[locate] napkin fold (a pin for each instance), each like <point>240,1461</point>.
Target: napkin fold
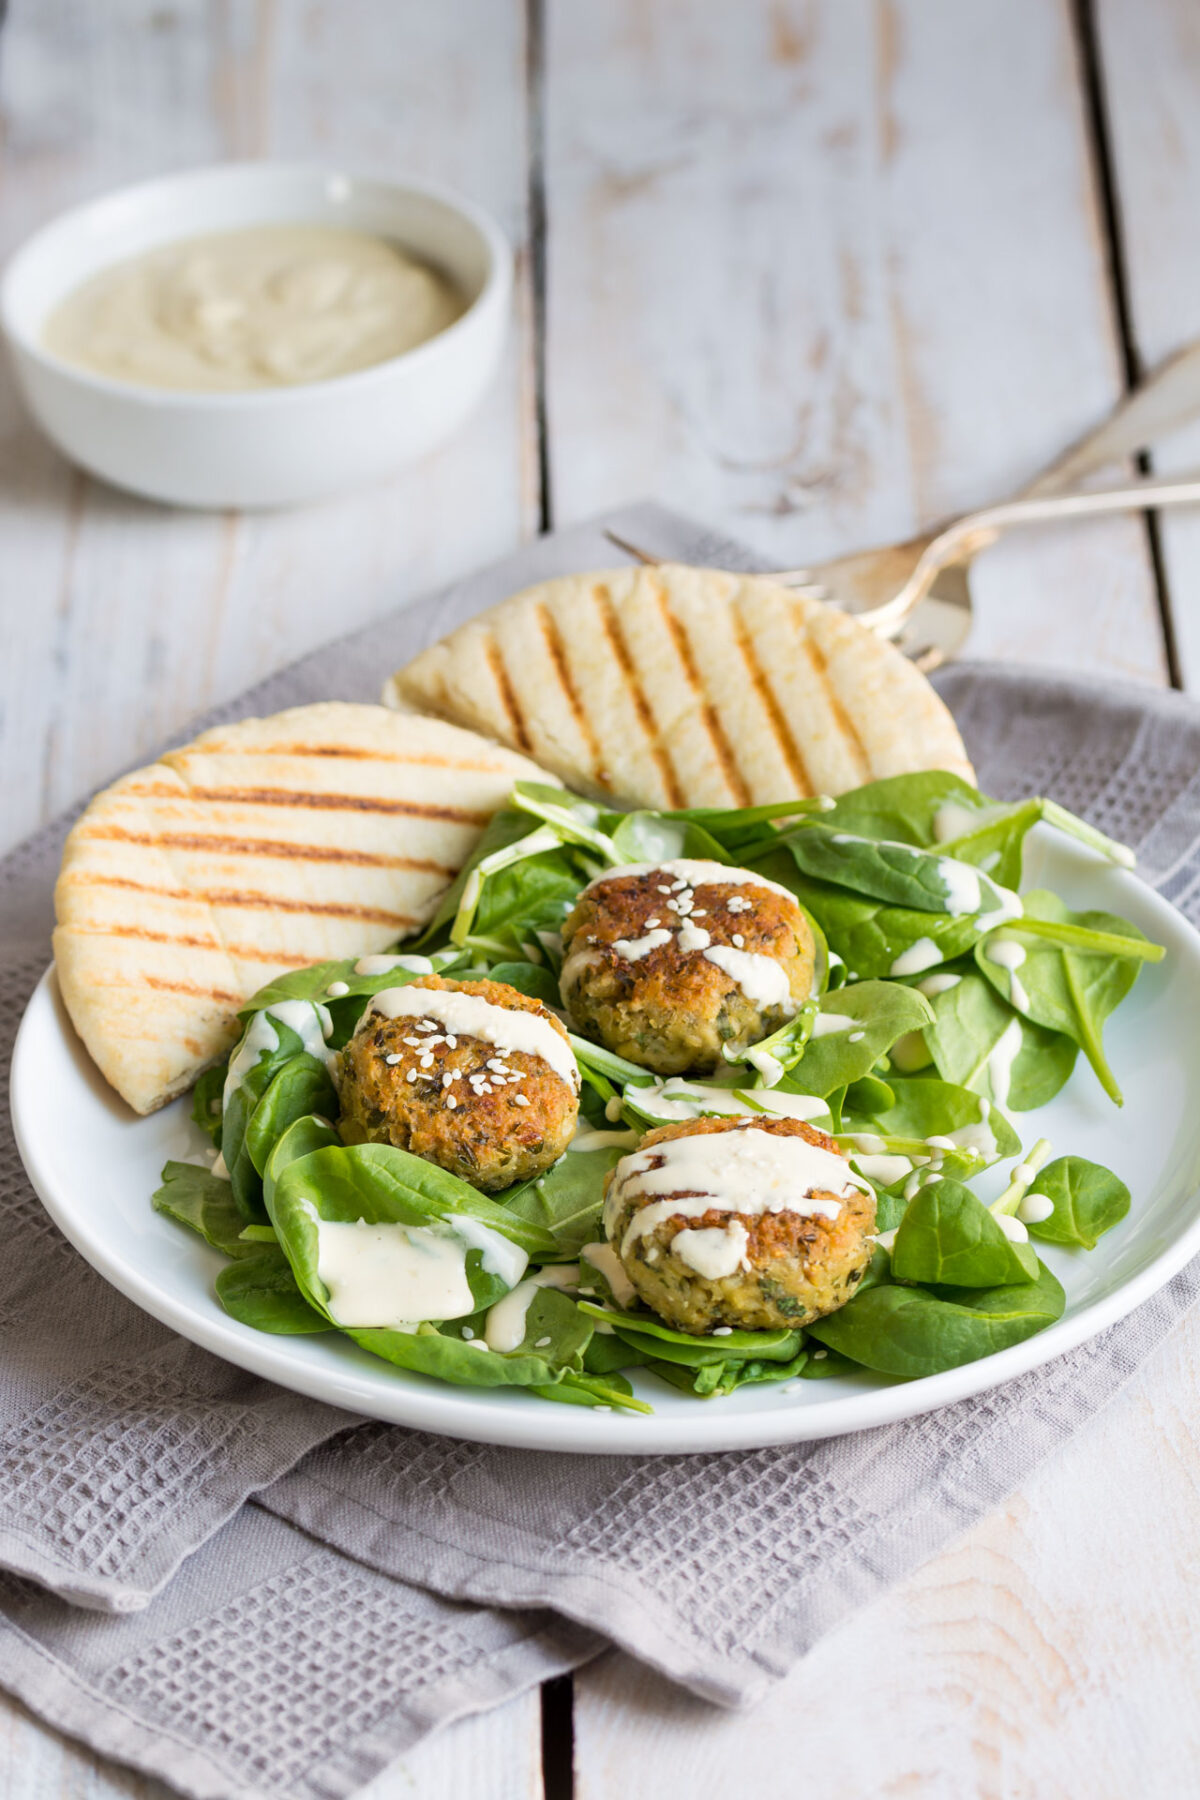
<point>253,1595</point>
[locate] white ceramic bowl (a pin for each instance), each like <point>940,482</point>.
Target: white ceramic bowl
<point>284,445</point>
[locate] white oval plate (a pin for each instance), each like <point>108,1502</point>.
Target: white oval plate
<point>95,1165</point>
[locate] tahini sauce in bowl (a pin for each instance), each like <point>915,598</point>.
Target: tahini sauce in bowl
<point>272,306</point>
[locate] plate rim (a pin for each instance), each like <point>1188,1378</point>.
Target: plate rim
<point>453,1412</point>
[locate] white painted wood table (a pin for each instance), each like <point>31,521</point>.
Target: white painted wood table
<point>818,273</point>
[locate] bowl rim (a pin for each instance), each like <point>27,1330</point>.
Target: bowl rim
<point>493,294</point>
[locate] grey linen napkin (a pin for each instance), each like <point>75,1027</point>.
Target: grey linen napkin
<point>250,1594</point>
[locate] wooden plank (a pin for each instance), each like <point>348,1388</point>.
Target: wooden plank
<point>1051,1654</point>
<point>814,277</point>
<point>1150,63</point>
<point>492,1753</point>
<point>123,619</point>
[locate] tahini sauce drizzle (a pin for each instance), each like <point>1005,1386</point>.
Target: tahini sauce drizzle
<point>470,1015</point>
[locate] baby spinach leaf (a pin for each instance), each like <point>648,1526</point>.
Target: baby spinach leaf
<point>902,874</point>
<point>607,1352</point>
<point>970,1023</point>
<point>603,1393</point>
<point>647,837</point>
<point>568,1199</point>
<point>1088,1201</point>
<point>715,1380</point>
<point>303,1086</point>
<point>518,901</point>
<point>300,1139</point>
<point>652,1336</point>
<point>262,1291</point>
<point>948,1236</point>
<point>379,1183</point>
<point>824,1365</point>
<point>912,1331</point>
<point>314,982</point>
<point>877,1013</point>
<point>206,1101</point>
<point>872,937</point>
<point>1069,990</point>
<point>996,840</point>
<point>904,806</point>
<point>534,979</point>
<point>927,1108</point>
<point>504,829</point>
<point>204,1203</point>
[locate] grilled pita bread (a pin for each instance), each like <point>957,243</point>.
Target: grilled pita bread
<point>673,686</point>
<point>327,831</point>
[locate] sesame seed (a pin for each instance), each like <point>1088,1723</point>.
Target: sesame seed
<point>393,1059</point>
<point>520,1100</point>
<point>451,1102</point>
<point>738,940</point>
<point>411,1076</point>
<point>468,1333</point>
<point>494,1062</point>
<point>413,1043</point>
<point>478,1344</point>
<point>446,1080</point>
<point>664,890</point>
<point>698,912</point>
<point>336,989</point>
<point>818,1354</point>
<point>542,1342</point>
<point>652,923</point>
<point>602,1409</point>
<point>452,1043</point>
<point>427,1062</point>
<point>722,1330</point>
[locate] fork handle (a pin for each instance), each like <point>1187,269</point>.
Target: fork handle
<point>1167,399</point>
<point>968,535</point>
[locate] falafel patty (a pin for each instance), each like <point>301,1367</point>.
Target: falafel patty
<point>472,1075</point>
<point>666,963</point>
<point>752,1223</point>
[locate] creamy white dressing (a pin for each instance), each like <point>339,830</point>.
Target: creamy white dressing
<point>1035,1209</point>
<point>634,949</point>
<point>918,957</point>
<point>266,307</point>
<point>1012,1228</point>
<point>746,1171</point>
<point>383,965</point>
<point>768,1066</point>
<point>307,1018</point>
<point>763,980</point>
<point>392,1276</point>
<point>1006,953</point>
<point>952,819</point>
<point>499,1256</point>
<point>504,1329</point>
<point>693,937</point>
<point>825,1024</point>
<point>604,1259</point>
<point>714,1251</point>
<point>962,886</point>
<point>587,1139</point>
<point>1010,908</point>
<point>1000,1061</point>
<point>678,1098</point>
<point>933,985</point>
<point>470,1015</point>
<point>693,871</point>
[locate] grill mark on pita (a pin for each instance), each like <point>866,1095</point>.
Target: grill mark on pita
<point>845,723</point>
<point>557,655</point>
<point>264,902</point>
<point>722,749</point>
<point>508,698</point>
<point>247,796</point>
<point>330,853</point>
<point>245,952</point>
<point>611,626</point>
<point>789,748</point>
<point>181,987</point>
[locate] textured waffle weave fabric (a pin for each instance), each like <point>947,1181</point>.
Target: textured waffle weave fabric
<point>250,1594</point>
